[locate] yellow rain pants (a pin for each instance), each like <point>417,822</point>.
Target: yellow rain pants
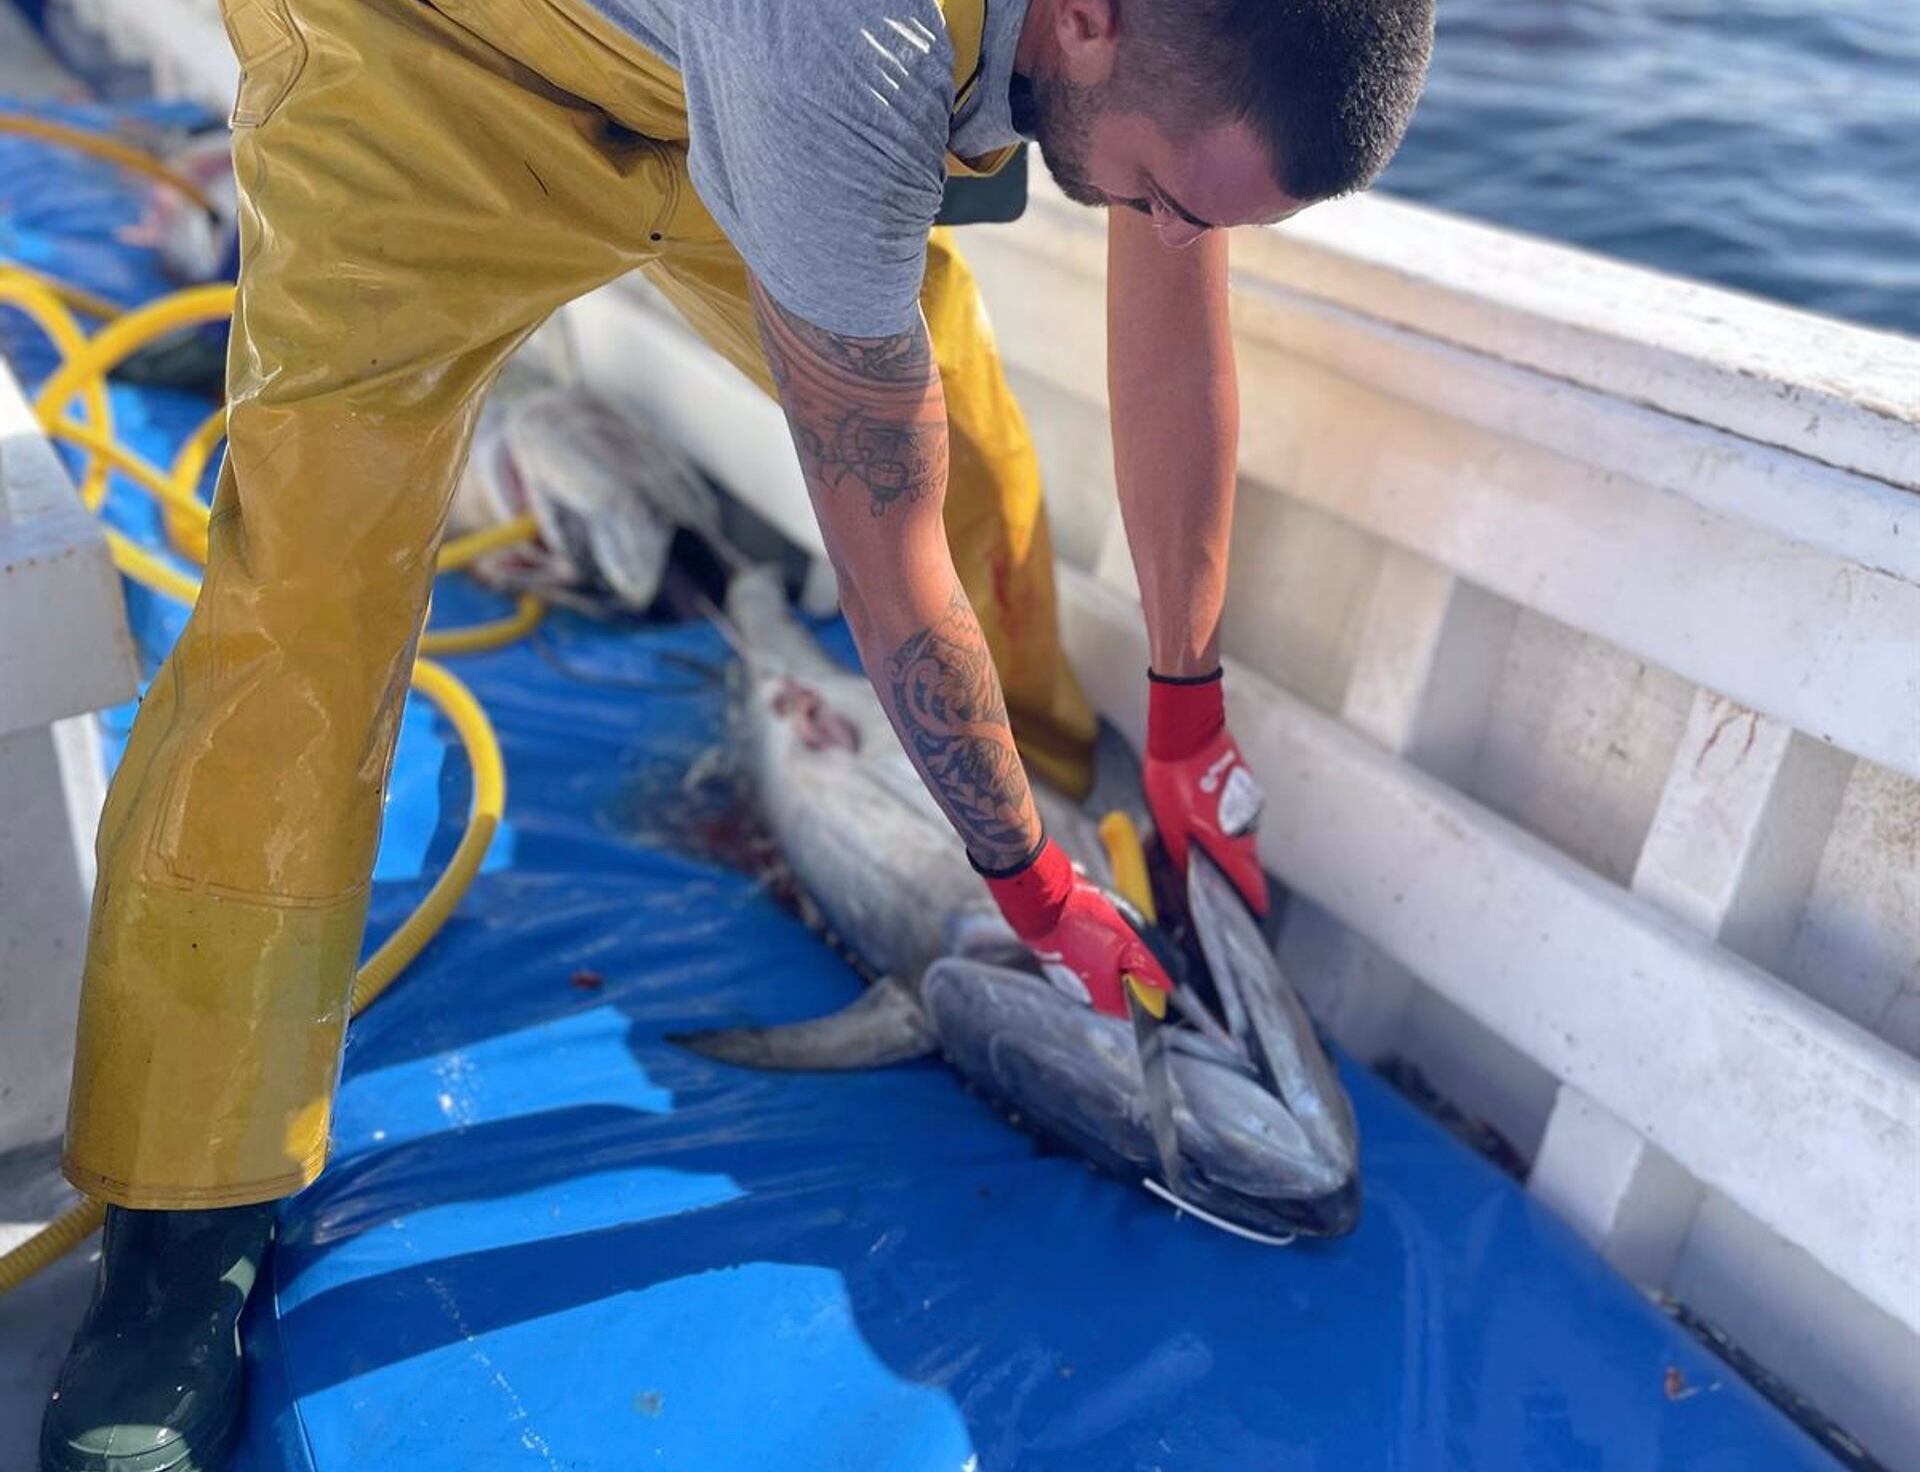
<point>421,184</point>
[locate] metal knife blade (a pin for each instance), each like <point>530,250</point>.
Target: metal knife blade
<point>1156,1079</point>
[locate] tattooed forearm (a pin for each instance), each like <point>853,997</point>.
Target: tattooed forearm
<point>949,710</point>
<point>866,412</point>
<point>870,424</point>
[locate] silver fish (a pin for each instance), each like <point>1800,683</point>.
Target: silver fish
<point>1266,1135</point>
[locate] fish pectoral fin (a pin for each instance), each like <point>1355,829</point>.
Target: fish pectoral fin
<point>884,1025</point>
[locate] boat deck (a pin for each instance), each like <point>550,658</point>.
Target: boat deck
<point>547,1228</point>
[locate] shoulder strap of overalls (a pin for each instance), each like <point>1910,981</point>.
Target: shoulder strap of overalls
<point>966,31</point>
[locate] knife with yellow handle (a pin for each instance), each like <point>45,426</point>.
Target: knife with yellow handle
<point>1146,1004</point>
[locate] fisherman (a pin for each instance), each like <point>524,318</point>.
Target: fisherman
<point>421,183</point>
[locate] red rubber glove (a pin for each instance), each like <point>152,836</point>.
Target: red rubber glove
<point>1081,941</point>
<point>1198,785</point>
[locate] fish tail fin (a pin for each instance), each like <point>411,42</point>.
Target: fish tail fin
<point>884,1025</point>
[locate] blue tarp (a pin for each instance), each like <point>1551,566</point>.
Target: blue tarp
<point>549,1239</point>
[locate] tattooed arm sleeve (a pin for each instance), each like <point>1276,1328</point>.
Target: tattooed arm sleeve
<point>870,424</point>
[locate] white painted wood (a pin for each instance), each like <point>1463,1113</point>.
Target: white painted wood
<point>1406,620</point>
<point>65,649</point>
<point>1857,942</point>
<point>1578,738</point>
<point>1789,583</point>
<point>1827,390</point>
<point>1837,510</point>
<point>1733,846</point>
<point>1353,988</point>
<point>1430,663</point>
<point>1748,806</point>
<point>1753,1089</point>
<point>1070,437</point>
<point>1814,639</point>
<point>1429,656</point>
<point>1619,1190</point>
<point>52,792</point>
<point>1299,583</point>
<point>1430,651</point>
<point>1553,388</point>
<point>1478,1071</point>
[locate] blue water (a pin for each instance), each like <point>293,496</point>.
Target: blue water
<point>1768,145</point>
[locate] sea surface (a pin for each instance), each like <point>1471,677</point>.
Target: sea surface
<point>1768,145</point>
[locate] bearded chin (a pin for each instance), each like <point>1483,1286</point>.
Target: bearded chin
<point>1062,124</point>
<point>1072,182</point>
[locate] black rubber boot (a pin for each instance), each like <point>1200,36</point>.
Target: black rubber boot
<point>152,1382</point>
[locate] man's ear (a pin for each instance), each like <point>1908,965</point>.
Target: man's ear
<point>1087,33</point>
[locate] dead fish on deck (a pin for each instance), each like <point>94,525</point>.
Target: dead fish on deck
<point>1266,1134</point>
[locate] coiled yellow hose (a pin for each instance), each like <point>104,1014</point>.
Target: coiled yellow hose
<point>78,297</point>
<point>19,288</point>
<point>82,375</point>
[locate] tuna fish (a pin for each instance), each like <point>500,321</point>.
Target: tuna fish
<point>1266,1134</point>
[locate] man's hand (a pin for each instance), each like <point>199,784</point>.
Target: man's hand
<point>1198,785</point>
<point>1082,942</point>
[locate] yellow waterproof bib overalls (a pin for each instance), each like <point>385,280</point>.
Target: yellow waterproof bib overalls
<point>421,184</point>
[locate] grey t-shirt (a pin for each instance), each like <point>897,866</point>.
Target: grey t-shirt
<point>819,131</point>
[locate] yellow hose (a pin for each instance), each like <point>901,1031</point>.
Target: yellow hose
<point>141,471</point>
<point>23,291</point>
<point>126,335</point>
<point>92,358</point>
<point>186,530</point>
<point>476,638</point>
<point>77,297</point>
<point>82,374</point>
<point>475,545</point>
<point>489,801</point>
<point>51,1243</point>
<point>99,145</point>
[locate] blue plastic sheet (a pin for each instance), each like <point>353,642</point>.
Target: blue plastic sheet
<point>549,1239</point>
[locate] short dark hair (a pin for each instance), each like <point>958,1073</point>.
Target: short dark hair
<point>1330,85</point>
